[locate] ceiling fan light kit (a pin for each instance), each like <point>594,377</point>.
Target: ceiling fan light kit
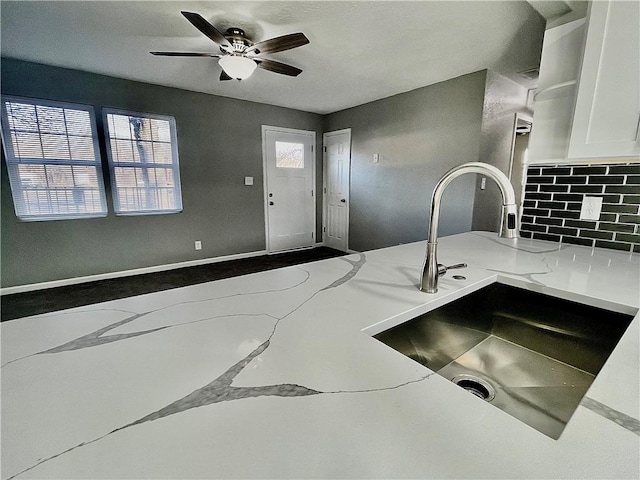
<point>239,56</point>
<point>237,67</point>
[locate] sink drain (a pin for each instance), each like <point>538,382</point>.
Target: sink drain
<point>476,386</point>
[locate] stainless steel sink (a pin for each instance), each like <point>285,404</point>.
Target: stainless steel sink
<point>532,355</point>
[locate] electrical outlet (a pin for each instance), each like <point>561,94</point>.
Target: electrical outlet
<point>591,207</point>
<point>376,157</point>
<point>198,245</point>
<point>248,180</point>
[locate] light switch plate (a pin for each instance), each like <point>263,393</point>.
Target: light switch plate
<point>248,180</point>
<point>591,208</point>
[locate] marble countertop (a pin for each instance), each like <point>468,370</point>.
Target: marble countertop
<point>276,375</point>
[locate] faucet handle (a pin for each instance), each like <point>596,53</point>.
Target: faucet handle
<point>442,269</point>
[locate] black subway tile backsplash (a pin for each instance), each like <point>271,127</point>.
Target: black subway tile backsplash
<point>627,189</point>
<point>587,242</point>
<point>540,196</point>
<point>625,237</point>
<point>589,225</point>
<point>606,179</point>
<point>542,179</point>
<point>547,237</point>
<point>566,214</point>
<point>625,169</point>
<point>629,218</point>
<point>614,245</point>
<point>571,232</point>
<point>549,221</point>
<point>616,227</point>
<point>608,217</point>
<point>610,198</point>
<point>532,227</point>
<point>587,189</point>
<point>537,212</point>
<point>554,188</point>
<point>597,234</point>
<point>550,171</point>
<point>553,201</point>
<point>572,180</point>
<point>612,208</point>
<point>591,170</point>
<point>568,197</point>
<point>554,205</point>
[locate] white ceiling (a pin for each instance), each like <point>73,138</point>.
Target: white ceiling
<point>359,51</point>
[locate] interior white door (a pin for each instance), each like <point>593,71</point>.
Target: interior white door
<point>289,168</point>
<point>337,161</point>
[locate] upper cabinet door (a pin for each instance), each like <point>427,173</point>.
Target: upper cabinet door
<point>556,95</point>
<point>607,113</point>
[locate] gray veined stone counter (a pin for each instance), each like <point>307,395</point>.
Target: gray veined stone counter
<point>276,375</point>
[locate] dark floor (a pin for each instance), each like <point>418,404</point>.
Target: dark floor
<point>19,305</point>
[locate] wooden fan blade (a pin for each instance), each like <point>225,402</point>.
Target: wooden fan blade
<point>224,76</point>
<point>184,54</point>
<point>277,67</point>
<point>205,27</point>
<point>279,44</point>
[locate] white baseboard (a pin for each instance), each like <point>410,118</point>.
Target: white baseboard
<point>125,273</point>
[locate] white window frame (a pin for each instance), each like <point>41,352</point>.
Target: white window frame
<point>174,165</point>
<point>14,161</point>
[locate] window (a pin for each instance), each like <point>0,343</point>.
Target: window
<point>289,155</point>
<point>143,161</point>
<point>53,159</point>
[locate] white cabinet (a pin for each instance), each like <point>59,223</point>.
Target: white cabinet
<point>556,95</point>
<point>607,111</point>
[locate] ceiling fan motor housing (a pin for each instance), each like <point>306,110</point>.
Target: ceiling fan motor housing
<point>239,42</point>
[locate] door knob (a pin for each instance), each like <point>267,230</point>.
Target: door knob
<point>343,201</point>
<point>270,203</point>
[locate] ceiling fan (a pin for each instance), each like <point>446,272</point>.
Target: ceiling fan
<point>239,56</point>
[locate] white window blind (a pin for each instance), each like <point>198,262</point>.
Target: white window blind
<point>143,160</point>
<point>53,159</point>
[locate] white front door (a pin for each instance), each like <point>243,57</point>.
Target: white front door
<point>337,161</point>
<point>289,168</point>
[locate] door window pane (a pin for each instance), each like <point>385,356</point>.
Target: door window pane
<point>289,155</point>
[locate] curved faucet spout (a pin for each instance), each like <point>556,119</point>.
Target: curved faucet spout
<point>508,225</point>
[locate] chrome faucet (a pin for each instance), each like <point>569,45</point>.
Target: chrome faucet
<point>508,226</point>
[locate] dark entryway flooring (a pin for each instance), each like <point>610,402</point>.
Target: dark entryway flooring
<point>19,305</point>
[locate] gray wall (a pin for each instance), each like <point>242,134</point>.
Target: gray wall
<point>503,98</point>
<point>219,143</point>
<point>419,135</point>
